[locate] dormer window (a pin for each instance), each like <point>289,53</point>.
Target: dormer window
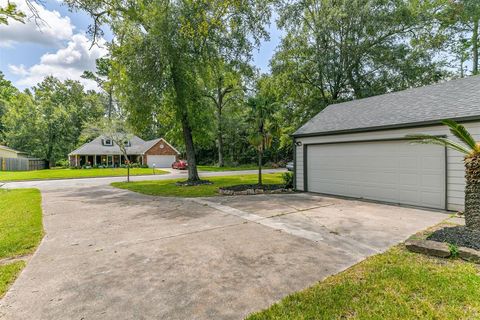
<point>107,142</point>
<point>126,143</point>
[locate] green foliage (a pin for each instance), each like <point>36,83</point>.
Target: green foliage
<point>453,250</point>
<point>10,11</point>
<point>167,50</point>
<point>462,134</point>
<point>288,179</point>
<point>467,144</point>
<point>47,124</point>
<point>334,51</point>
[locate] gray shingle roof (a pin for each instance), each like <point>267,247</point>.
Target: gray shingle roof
<point>95,147</point>
<point>456,99</point>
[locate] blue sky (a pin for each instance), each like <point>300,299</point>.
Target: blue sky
<point>59,46</point>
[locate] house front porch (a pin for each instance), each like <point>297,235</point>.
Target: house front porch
<point>109,161</point>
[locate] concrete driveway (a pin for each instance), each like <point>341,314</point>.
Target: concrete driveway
<point>115,254</point>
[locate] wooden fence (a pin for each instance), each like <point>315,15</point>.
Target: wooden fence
<point>21,164</point>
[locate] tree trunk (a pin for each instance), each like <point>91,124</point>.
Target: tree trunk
<point>182,109</point>
<point>475,46</point>
<point>472,192</point>
<point>192,161</point>
<point>110,103</point>
<point>260,167</point>
<point>220,137</point>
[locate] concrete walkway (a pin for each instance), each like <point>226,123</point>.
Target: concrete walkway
<point>114,254</point>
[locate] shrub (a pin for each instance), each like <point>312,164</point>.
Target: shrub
<point>62,163</point>
<point>288,179</point>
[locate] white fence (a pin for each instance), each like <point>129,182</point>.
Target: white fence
<point>21,164</point>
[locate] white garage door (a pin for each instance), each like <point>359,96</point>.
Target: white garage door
<point>160,161</point>
<point>391,171</point>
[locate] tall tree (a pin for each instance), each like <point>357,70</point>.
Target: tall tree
<point>338,50</point>
<point>164,47</point>
<point>463,19</point>
<point>224,86</point>
<point>48,123</point>
<point>7,92</point>
<point>102,77</point>
<point>264,126</point>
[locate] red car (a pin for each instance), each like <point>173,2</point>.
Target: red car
<point>180,165</point>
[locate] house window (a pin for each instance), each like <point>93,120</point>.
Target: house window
<point>107,142</point>
<point>127,143</point>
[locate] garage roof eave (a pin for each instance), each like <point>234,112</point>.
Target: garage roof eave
<point>385,127</point>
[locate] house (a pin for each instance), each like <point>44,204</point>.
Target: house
<point>6,152</point>
<point>103,151</point>
<point>358,148</point>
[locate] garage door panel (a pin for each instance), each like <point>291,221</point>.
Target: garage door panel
<point>160,161</point>
<point>392,171</point>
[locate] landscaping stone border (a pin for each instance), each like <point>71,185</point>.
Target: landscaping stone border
<point>252,191</point>
<point>442,250</point>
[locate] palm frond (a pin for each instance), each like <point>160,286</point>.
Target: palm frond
<point>429,139</point>
<point>461,133</point>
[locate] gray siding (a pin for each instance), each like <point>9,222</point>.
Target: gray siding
<point>455,169</point>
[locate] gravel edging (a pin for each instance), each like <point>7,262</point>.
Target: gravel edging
<point>458,235</point>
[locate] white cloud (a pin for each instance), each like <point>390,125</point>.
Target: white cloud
<point>66,63</point>
<point>51,30</point>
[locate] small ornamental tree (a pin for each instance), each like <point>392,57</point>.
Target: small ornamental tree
<point>471,149</point>
<point>120,133</point>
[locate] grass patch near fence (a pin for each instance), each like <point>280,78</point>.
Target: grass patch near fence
<point>170,189</point>
<point>395,285</point>
<point>51,174</point>
<point>21,229</point>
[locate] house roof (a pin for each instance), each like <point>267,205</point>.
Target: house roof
<point>137,146</point>
<point>456,99</point>
<point>12,150</point>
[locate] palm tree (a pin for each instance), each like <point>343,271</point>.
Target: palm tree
<point>263,129</point>
<point>471,149</point>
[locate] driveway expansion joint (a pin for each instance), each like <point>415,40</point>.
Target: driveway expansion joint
<point>353,247</point>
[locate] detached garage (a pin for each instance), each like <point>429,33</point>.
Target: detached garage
<point>358,148</point>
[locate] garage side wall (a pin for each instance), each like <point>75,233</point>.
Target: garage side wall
<point>455,168</point>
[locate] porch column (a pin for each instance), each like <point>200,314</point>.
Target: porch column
<point>94,159</point>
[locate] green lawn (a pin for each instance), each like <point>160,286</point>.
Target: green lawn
<point>230,168</point>
<point>20,229</point>
<point>74,173</point>
<point>395,285</point>
<point>169,189</point>
<point>8,274</point>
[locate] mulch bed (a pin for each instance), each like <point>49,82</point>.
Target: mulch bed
<point>459,236</point>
